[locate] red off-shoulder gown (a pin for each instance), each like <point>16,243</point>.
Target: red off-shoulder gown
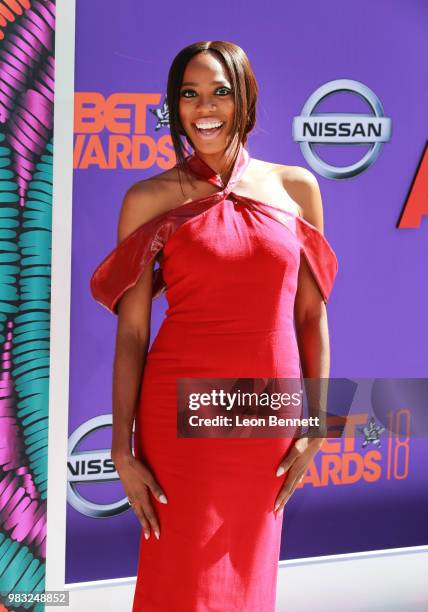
<point>229,268</point>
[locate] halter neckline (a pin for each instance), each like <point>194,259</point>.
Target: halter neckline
<point>202,170</point>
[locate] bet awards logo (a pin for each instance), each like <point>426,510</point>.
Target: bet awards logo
<point>91,467</point>
<point>118,131</point>
<point>340,462</point>
<point>311,128</point>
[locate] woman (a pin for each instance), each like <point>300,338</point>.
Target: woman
<point>247,274</point>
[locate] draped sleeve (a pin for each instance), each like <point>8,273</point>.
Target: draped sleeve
<point>124,265</point>
<point>320,256</point>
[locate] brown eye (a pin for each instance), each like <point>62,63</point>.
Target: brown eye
<point>224,91</point>
<point>187,93</point>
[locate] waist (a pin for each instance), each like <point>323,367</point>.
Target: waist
<point>225,327</point>
<point>196,350</point>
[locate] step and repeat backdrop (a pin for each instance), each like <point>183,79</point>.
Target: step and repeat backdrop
<point>342,96</point>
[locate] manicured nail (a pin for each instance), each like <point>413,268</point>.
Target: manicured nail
<point>146,535</point>
<point>163,499</point>
<point>277,505</point>
<point>280,471</point>
<point>157,534</point>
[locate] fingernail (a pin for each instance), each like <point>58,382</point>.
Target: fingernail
<point>146,535</point>
<point>277,505</point>
<point>163,499</point>
<point>157,534</point>
<point>280,471</point>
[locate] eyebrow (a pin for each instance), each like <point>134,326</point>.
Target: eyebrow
<point>189,83</point>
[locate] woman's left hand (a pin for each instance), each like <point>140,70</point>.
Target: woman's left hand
<point>295,462</point>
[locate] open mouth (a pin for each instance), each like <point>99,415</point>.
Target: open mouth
<point>208,130</point>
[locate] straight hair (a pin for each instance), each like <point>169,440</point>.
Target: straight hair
<point>244,90</point>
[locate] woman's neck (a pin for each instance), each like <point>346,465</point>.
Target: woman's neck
<point>216,162</point>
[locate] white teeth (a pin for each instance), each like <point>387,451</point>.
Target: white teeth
<point>209,126</point>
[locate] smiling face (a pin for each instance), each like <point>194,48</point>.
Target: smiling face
<point>206,104</point>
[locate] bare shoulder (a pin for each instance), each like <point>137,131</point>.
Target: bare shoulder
<point>262,169</point>
<point>302,186</point>
<point>145,200</point>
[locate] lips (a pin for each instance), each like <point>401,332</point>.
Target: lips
<point>208,129</point>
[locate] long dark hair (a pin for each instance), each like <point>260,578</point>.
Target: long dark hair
<point>244,86</point>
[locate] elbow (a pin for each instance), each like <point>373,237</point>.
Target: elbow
<point>139,334</point>
<point>313,314</point>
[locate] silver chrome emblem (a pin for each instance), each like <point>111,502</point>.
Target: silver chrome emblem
<point>310,128</point>
<point>91,466</point>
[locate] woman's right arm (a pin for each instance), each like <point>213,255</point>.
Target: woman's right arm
<point>140,205</point>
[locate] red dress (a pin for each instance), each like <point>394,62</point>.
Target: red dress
<point>229,267</point>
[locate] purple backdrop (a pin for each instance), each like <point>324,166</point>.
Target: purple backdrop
<point>377,312</point>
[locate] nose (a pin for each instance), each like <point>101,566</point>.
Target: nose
<point>206,102</point>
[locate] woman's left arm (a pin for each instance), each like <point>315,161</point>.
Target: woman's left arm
<point>310,316</point>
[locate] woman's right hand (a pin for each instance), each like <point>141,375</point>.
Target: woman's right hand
<point>137,480</point>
